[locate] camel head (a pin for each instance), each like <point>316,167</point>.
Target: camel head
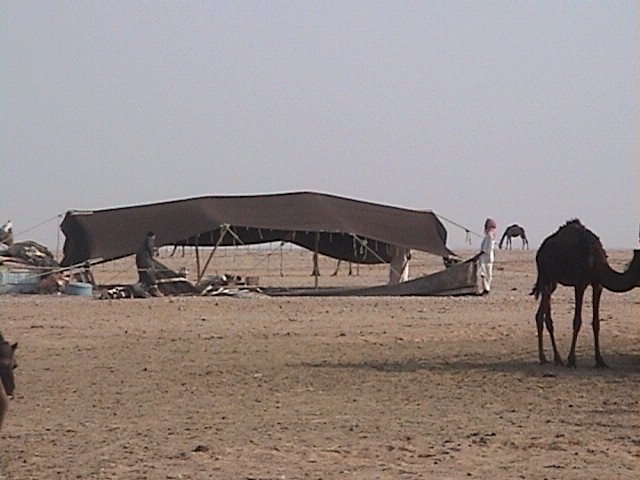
<point>7,365</point>
<point>623,282</point>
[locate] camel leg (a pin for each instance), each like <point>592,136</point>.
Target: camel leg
<point>597,292</point>
<point>577,323</point>
<point>540,326</point>
<point>543,318</point>
<point>335,272</point>
<point>557,358</point>
<point>4,404</point>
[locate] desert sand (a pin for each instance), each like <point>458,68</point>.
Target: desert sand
<point>257,387</point>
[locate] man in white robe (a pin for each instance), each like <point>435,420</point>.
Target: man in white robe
<point>487,254</point>
<point>399,267</point>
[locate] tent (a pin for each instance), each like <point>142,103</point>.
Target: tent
<point>338,227</point>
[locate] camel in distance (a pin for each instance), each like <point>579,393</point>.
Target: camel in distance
<point>513,231</point>
<point>574,256</point>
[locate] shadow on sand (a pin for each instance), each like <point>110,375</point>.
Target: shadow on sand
<point>620,365</point>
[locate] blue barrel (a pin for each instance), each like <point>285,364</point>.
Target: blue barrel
<point>79,288</point>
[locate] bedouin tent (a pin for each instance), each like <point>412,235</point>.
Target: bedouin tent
<point>338,227</point>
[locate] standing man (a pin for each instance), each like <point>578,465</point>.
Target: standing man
<point>399,265</point>
<point>146,268</point>
<point>487,254</point>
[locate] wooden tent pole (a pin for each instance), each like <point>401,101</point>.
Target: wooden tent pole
<point>316,268</point>
<point>197,258</point>
<point>281,258</point>
<point>223,232</point>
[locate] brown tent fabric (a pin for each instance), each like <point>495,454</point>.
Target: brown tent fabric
<point>459,279</point>
<point>334,226</point>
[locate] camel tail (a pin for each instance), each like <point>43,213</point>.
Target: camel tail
<point>536,290</point>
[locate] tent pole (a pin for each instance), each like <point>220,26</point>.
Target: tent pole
<point>290,236</point>
<point>281,258</point>
<point>58,231</point>
<point>197,258</point>
<point>366,247</point>
<point>316,269</point>
<point>223,232</point>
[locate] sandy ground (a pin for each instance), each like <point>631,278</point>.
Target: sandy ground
<point>326,388</point>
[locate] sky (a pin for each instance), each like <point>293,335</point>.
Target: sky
<point>527,112</point>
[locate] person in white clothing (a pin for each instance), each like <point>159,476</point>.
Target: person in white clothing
<point>399,266</point>
<point>487,254</point>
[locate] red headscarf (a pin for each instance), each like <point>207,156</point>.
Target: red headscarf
<point>490,226</point>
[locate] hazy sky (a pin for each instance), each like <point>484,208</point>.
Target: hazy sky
<point>526,111</point>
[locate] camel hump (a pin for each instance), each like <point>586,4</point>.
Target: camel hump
<point>572,244</point>
<point>575,230</point>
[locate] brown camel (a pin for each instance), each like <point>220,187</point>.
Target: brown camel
<point>7,383</point>
<point>574,257</point>
<point>512,231</point>
<point>316,270</point>
<point>335,272</point>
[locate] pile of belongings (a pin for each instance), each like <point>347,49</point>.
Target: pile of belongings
<point>29,253</point>
<point>169,283</point>
<point>225,284</point>
<point>39,261</point>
